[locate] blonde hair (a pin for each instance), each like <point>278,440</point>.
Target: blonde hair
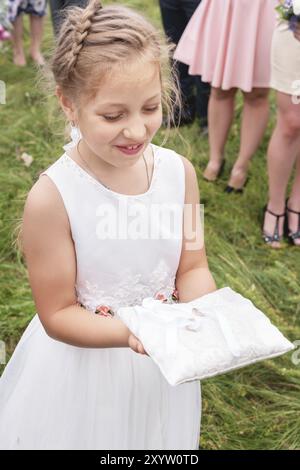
<point>94,40</point>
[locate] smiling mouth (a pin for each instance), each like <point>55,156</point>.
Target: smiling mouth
<point>130,147</point>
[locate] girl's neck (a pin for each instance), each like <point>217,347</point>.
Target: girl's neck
<point>116,178</point>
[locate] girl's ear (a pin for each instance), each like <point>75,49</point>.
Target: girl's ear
<point>66,104</point>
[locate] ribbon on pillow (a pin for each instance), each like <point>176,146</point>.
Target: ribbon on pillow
<point>194,323</point>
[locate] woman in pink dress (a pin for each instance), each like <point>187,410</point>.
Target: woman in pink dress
<point>228,43</point>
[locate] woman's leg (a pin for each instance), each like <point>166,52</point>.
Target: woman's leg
<point>220,117</point>
<point>36,36</point>
<point>294,201</point>
<point>254,123</point>
<point>17,41</point>
<point>284,147</point>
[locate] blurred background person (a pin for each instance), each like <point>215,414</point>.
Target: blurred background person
<point>36,9</point>
<point>228,43</point>
<point>175,17</point>
<point>284,147</point>
<point>57,6</point>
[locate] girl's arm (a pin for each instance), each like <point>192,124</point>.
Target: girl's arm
<point>51,262</point>
<point>193,278</point>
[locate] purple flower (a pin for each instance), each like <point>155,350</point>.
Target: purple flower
<point>294,20</point>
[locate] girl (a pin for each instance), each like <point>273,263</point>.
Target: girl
<point>228,42</point>
<point>79,380</point>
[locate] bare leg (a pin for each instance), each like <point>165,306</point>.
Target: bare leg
<point>17,40</point>
<point>254,123</point>
<point>220,117</point>
<point>282,153</point>
<point>294,202</point>
<point>36,36</point>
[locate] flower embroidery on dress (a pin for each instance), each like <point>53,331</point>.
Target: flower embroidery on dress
<point>129,290</point>
<point>173,298</point>
<point>107,311</point>
<point>104,310</point>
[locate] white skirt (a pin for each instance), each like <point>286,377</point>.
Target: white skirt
<point>285,59</point>
<point>57,396</point>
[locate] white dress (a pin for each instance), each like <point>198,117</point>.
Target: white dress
<point>57,396</point>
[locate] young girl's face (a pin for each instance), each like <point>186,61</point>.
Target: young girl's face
<point>126,111</point>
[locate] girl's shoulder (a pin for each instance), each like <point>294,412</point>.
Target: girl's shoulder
<point>189,169</point>
<point>44,191</point>
<point>191,186</point>
<point>191,180</point>
<point>187,164</point>
<point>44,205</point>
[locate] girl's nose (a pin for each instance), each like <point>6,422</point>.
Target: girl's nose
<point>136,131</point>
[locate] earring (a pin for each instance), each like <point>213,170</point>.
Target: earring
<point>75,132</point>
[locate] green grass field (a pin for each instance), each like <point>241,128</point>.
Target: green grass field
<point>257,407</point>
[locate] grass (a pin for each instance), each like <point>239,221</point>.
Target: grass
<point>257,407</point>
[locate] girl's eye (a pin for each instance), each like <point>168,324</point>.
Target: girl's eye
<point>153,108</point>
<point>114,118</point>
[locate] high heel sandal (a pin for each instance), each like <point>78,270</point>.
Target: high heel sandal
<point>268,239</point>
<point>292,236</point>
<point>231,189</point>
<point>218,174</point>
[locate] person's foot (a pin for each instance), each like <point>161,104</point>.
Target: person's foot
<point>273,227</point>
<point>37,57</point>
<point>213,170</point>
<point>203,126</point>
<point>204,131</point>
<point>19,58</point>
<point>237,180</point>
<point>293,220</point>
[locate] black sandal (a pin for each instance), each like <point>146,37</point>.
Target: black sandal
<point>275,237</point>
<point>290,235</point>
<point>231,189</point>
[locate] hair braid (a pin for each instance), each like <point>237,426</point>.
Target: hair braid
<point>81,30</point>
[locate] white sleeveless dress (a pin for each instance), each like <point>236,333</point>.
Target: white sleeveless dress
<point>57,396</point>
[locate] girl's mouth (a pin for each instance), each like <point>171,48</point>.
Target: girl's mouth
<point>130,149</point>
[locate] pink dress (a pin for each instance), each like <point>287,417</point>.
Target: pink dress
<point>228,43</point>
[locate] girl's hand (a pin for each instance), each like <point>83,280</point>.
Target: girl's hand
<point>135,344</point>
<point>297,32</point>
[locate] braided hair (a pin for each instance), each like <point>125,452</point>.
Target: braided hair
<point>94,39</point>
<point>81,30</point>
